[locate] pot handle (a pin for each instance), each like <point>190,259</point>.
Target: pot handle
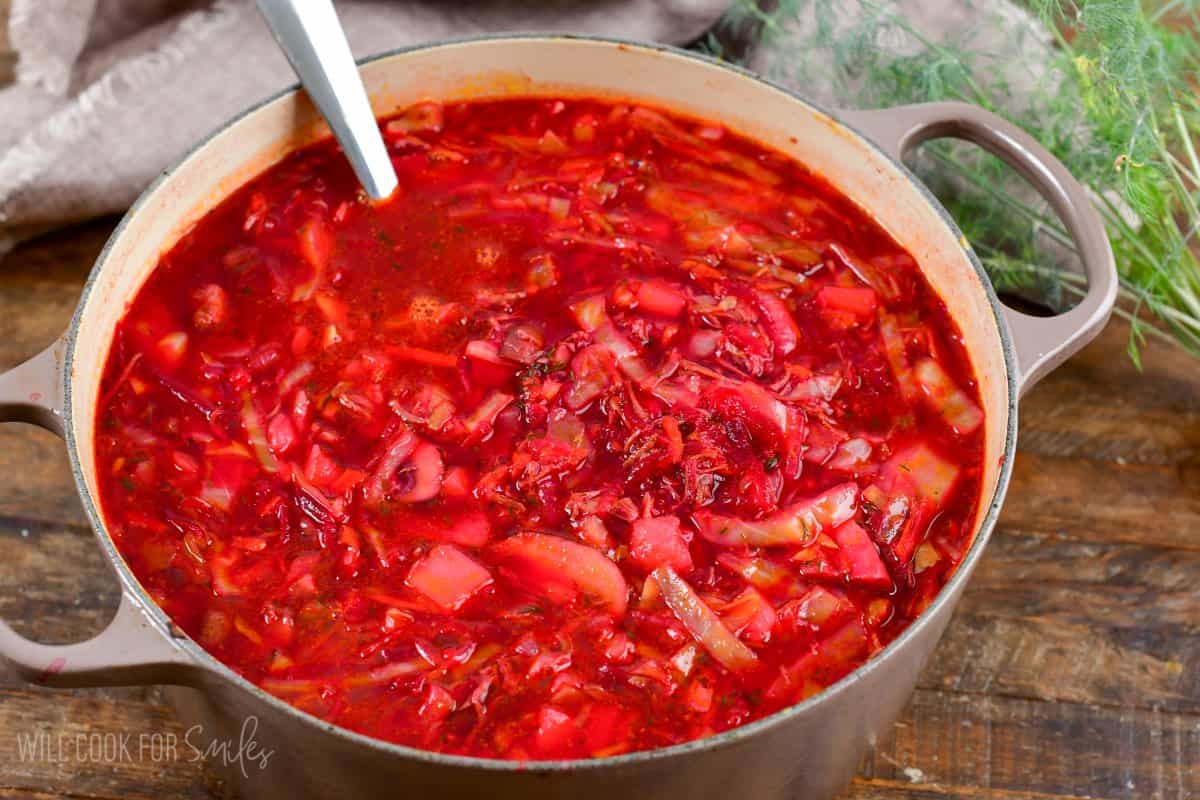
<point>131,650</point>
<point>1041,343</point>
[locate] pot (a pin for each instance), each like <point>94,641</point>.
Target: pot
<point>809,750</point>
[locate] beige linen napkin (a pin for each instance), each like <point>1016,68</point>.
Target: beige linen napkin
<point>109,92</point>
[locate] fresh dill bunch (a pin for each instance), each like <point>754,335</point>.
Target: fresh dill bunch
<point>1106,85</point>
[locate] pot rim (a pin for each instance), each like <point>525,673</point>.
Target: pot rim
<point>201,658</point>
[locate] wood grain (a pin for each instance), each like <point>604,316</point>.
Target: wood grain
<point>8,59</point>
<point>948,740</point>
<point>1070,669</point>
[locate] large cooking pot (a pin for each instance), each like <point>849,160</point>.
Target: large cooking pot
<point>810,750</point>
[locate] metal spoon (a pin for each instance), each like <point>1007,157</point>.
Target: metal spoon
<point>311,37</point>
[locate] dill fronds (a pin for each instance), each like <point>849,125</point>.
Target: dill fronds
<point>1108,86</point>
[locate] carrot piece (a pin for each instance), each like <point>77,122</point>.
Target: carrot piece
<point>421,355</point>
<point>852,300</point>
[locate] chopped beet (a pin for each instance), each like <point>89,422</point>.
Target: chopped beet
<point>860,558</point>
<point>471,529</point>
<point>751,616</point>
<point>610,430</point>
<point>448,577</point>
<point>657,542</point>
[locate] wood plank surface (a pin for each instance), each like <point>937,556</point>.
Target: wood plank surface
<point>1071,669</point>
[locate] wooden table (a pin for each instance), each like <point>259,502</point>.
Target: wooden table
<point>1071,670</point>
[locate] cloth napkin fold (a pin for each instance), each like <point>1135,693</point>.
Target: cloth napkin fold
<point>109,92</point>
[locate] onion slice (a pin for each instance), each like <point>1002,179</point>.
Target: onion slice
<point>397,454</point>
<point>257,435</point>
<point>798,525</point>
<point>427,469</point>
<point>944,396</point>
<point>559,569</point>
<point>702,622</point>
<point>895,349</point>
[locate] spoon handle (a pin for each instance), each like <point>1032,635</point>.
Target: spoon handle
<point>311,37</point>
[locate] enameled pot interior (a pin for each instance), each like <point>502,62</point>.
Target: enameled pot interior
<point>533,66</point>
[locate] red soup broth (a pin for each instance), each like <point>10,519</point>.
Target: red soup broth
<point>610,430</point>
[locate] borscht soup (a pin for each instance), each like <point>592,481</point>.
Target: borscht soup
<point>610,430</point>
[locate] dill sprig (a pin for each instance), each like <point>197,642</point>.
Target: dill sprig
<point>1108,86</point>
